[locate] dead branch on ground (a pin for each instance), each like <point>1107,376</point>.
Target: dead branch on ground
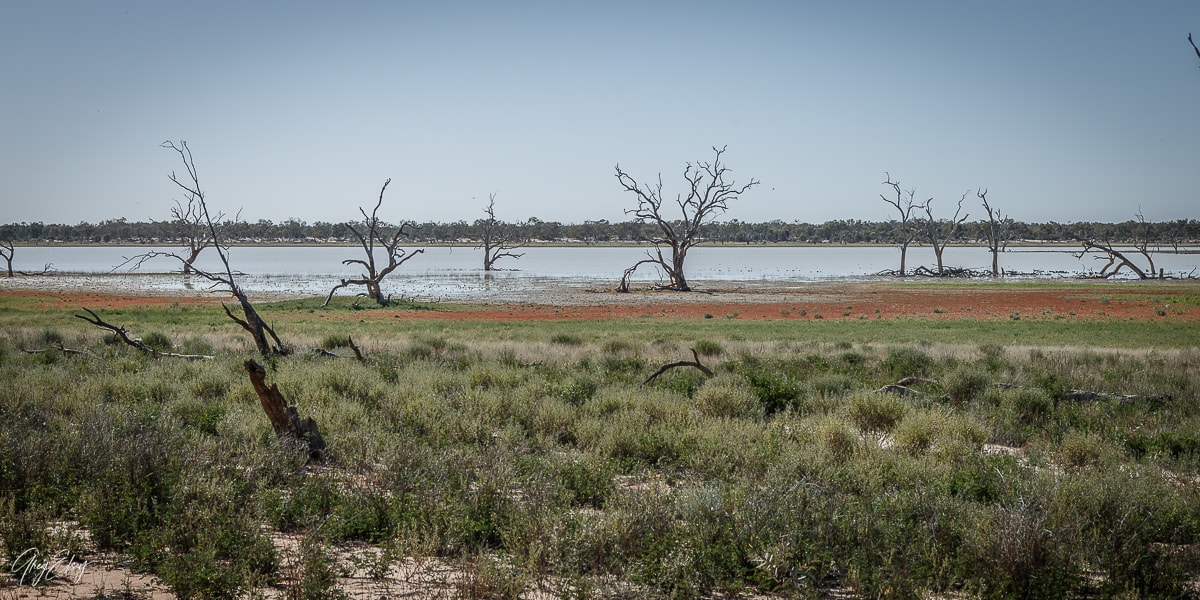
<point>123,335</point>
<point>695,363</point>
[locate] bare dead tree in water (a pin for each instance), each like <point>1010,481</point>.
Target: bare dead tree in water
<point>708,195</point>
<point>941,232</point>
<point>904,203</point>
<point>6,252</point>
<point>1117,259</point>
<point>497,239</point>
<point>998,230</point>
<point>265,339</point>
<point>375,233</point>
<point>193,229</point>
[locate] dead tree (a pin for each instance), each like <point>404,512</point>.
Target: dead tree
<point>6,252</point>
<point>372,233</point>
<point>284,418</point>
<point>1117,260</point>
<point>496,238</point>
<point>904,204</point>
<point>123,335</point>
<point>708,196</point>
<point>941,232</point>
<point>193,230</point>
<point>265,339</point>
<point>998,228</point>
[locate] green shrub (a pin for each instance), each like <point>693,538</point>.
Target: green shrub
<point>617,346</point>
<point>566,339</point>
<point>159,341</point>
<point>708,348</point>
<point>907,362</point>
<point>965,383</point>
<point>831,384</point>
<point>728,397</point>
<point>334,341</point>
<point>572,390</point>
<point>875,412</point>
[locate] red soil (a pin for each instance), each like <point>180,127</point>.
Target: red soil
<point>830,301</point>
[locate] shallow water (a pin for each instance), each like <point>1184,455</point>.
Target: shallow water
<point>456,272</point>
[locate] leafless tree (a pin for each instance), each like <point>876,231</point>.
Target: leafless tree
<point>373,233</point>
<point>193,229</point>
<point>496,238</point>
<point>6,252</point>
<point>941,232</point>
<point>998,229</point>
<point>904,204</point>
<point>708,195</point>
<point>1117,260</point>
<point>265,339</point>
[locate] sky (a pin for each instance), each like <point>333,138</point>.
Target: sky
<point>1063,110</point>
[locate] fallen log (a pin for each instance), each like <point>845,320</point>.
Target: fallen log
<point>683,363</point>
<point>284,418</point>
<point>123,335</point>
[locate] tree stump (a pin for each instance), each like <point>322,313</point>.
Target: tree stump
<point>284,419</point>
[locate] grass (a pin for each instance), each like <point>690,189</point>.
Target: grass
<point>529,456</point>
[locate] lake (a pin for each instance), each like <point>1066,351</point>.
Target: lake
<point>456,272</point>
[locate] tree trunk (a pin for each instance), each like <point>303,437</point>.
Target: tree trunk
<point>995,262</point>
<point>938,253</point>
<point>284,419</point>
<point>903,259</point>
<point>677,257</point>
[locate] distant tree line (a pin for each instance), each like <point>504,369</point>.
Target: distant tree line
<point>534,230</point>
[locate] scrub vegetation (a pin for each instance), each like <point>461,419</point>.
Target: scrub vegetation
<point>528,457</point>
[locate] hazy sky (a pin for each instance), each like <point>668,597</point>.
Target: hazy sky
<point>1065,111</point>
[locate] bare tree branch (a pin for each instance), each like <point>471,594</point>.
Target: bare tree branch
<point>695,363</point>
<point>708,196</point>
<point>997,232</point>
<point>123,335</point>
<point>497,240</point>
<point>226,281</point>
<point>1117,260</point>
<point>1193,45</point>
<point>904,204</point>
<point>374,232</point>
<point>942,232</point>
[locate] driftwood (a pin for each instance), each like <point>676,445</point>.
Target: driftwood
<point>683,363</point>
<point>123,335</point>
<point>284,418</point>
